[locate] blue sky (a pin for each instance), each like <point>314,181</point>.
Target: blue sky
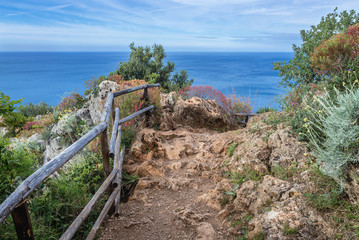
<point>179,25</point>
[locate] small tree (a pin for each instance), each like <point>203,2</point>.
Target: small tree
<point>7,106</point>
<point>147,63</point>
<point>13,121</point>
<point>299,70</point>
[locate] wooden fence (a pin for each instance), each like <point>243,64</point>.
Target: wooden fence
<point>16,203</point>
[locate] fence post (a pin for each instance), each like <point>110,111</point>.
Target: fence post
<point>22,222</point>
<point>146,98</point>
<point>105,153</point>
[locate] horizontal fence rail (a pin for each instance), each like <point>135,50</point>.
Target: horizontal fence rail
<point>17,199</point>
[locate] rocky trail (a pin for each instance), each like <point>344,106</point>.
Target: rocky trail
<point>169,200</point>
<point>197,183</point>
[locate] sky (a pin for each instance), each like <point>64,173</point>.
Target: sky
<point>179,25</point>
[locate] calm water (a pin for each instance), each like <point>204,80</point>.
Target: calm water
<point>47,77</point>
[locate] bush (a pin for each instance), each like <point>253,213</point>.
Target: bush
<point>33,110</point>
<point>299,70</point>
<point>333,131</point>
<point>238,104</point>
<point>14,123</point>
<point>15,165</point>
<point>92,85</point>
<point>7,106</point>
<point>337,57</point>
<point>233,103</point>
<point>73,129</point>
<point>147,63</point>
<point>265,109</point>
<point>205,92</point>
<point>132,102</point>
<point>71,102</point>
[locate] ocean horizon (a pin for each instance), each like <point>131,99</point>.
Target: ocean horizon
<point>48,76</point>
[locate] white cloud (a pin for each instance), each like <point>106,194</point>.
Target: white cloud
<point>183,22</point>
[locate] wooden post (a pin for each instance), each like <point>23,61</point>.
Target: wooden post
<point>146,98</point>
<point>22,221</point>
<point>105,153</point>
<point>113,113</point>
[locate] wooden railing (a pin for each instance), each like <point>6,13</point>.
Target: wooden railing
<point>16,203</point>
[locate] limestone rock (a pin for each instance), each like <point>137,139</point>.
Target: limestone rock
<point>199,113</point>
<point>212,197</point>
<point>205,232</point>
<point>279,211</point>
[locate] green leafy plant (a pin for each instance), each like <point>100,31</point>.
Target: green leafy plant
<point>15,165</point>
<point>147,63</point>
<point>231,149</point>
<point>14,123</point>
<point>333,131</point>
<point>7,105</point>
<point>246,174</point>
<point>265,109</point>
<point>12,120</point>
<point>73,129</point>
<point>288,230</point>
<point>33,110</point>
<point>337,54</point>
<point>71,101</point>
<point>299,70</point>
<point>92,85</point>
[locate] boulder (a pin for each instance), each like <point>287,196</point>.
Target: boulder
<point>200,113</point>
<point>94,106</point>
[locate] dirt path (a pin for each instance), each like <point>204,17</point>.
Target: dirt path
<point>170,199</point>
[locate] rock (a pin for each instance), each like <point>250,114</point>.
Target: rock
<point>95,103</point>
<point>351,183</point>
<point>285,149</point>
<point>150,168</point>
<point>205,231</point>
<point>85,115</point>
<point>147,145</point>
<point>279,211</point>
<point>106,87</point>
<point>213,197</point>
<point>199,113</point>
<point>169,100</point>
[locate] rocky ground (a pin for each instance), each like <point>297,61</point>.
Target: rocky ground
<point>197,183</point>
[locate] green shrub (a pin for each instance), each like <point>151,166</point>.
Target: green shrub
<point>333,131</point>
<point>15,165</point>
<point>247,174</point>
<point>33,110</point>
<point>55,206</point>
<point>14,123</point>
<point>92,85</point>
<point>265,109</point>
<point>73,129</point>
<point>7,106</point>
<point>299,70</point>
<point>147,63</point>
<point>231,149</point>
<point>71,101</point>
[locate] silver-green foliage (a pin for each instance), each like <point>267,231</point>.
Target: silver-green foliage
<point>333,130</point>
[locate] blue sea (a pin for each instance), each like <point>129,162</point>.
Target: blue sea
<point>48,76</point>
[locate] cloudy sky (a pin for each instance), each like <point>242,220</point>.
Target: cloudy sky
<point>179,25</point>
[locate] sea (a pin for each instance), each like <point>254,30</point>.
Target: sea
<point>48,76</point>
